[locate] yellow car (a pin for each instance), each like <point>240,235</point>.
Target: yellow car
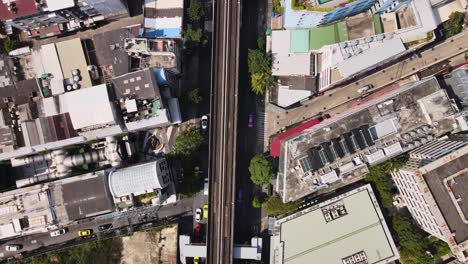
<point>205,211</point>
<point>85,232</point>
<point>195,260</point>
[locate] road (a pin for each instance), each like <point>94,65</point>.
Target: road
<point>226,21</point>
<point>278,119</point>
<point>120,221</point>
<point>248,219</point>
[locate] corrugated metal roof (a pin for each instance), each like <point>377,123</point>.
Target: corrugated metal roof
<point>134,180</point>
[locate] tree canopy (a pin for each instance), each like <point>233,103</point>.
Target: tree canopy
<point>260,170</point>
<point>275,206</point>
<point>455,23</point>
<point>102,251</point>
<point>380,176</point>
<point>188,142</point>
<point>414,247</point>
<point>193,96</point>
<point>256,203</point>
<point>258,61</point>
<point>261,82</point>
<point>194,37</point>
<point>195,11</point>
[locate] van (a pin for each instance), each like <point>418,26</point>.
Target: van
<point>206,187</point>
<point>365,88</point>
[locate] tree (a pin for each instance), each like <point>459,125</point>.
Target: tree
<point>260,170</point>
<point>193,96</point>
<point>195,11</point>
<point>188,142</point>
<point>455,23</point>
<point>9,45</point>
<point>275,206</point>
<point>256,203</point>
<point>412,243</point>
<point>261,43</point>
<point>380,176</point>
<point>258,61</point>
<point>260,82</point>
<point>194,37</point>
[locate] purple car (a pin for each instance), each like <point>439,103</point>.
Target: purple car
<point>250,125</point>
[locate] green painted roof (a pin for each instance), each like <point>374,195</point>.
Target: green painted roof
<point>299,41</point>
<point>378,24</point>
<point>331,34</point>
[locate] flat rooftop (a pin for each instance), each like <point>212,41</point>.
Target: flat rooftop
<point>338,151</point>
<point>71,56</point>
<point>345,226</point>
<point>82,196</point>
<point>445,180</point>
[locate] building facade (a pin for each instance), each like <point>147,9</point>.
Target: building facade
<point>431,184</point>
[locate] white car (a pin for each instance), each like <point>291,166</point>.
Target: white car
<point>198,215</point>
<point>204,122</point>
<point>365,88</point>
<point>13,247</point>
<point>58,232</point>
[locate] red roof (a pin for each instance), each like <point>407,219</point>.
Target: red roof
<point>275,148</point>
<point>23,8</point>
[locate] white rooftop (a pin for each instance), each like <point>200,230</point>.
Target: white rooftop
<point>306,237</point>
<point>135,180</point>
<point>164,4</point>
<point>371,57</point>
<point>163,22</point>
<point>54,5</point>
<point>287,97</point>
<point>285,63</point>
<point>88,107</point>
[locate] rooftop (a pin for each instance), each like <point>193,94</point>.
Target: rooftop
<point>19,8</point>
<point>342,229</point>
<point>137,179</point>
<point>163,18</point>
<point>447,183</point>
<point>286,63</point>
<point>110,51</point>
<point>337,151</point>
<point>54,5</point>
<point>326,35</point>
<point>71,56</point>
<point>83,104</point>
<point>82,196</point>
<point>457,83</point>
<point>138,85</point>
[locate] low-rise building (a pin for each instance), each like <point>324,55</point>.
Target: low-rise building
<point>348,228</point>
<point>163,18</point>
<point>432,184</point>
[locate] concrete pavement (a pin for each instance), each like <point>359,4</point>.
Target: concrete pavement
<point>278,119</point>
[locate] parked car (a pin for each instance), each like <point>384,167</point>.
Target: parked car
<point>205,211</point>
<point>104,227</point>
<point>365,88</point>
<point>206,186</point>
<point>251,121</point>
<point>85,232</point>
<point>204,122</point>
<point>13,247</point>
<point>197,233</point>
<point>58,232</point>
<point>198,215</point>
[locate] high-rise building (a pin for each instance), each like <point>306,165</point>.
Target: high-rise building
<point>432,183</point>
